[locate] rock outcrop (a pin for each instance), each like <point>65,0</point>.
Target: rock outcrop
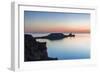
<point>35,51</point>
<point>71,35</point>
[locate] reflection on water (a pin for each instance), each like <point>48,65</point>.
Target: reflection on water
<point>77,47</point>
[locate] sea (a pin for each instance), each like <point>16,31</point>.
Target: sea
<point>68,48</point>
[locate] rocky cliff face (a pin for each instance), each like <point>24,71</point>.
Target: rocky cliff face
<point>35,51</point>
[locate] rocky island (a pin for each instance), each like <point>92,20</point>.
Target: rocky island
<point>56,36</point>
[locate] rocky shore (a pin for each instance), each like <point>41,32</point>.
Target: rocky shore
<point>35,51</point>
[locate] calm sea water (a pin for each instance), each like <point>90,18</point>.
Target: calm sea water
<point>77,47</point>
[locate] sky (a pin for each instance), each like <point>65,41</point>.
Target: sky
<point>39,21</point>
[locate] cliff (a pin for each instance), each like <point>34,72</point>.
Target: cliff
<point>35,51</point>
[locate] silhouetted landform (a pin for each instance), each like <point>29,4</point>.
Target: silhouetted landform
<point>56,36</point>
<point>71,35</point>
<point>35,51</point>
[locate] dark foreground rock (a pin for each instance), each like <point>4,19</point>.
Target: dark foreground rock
<point>35,51</point>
